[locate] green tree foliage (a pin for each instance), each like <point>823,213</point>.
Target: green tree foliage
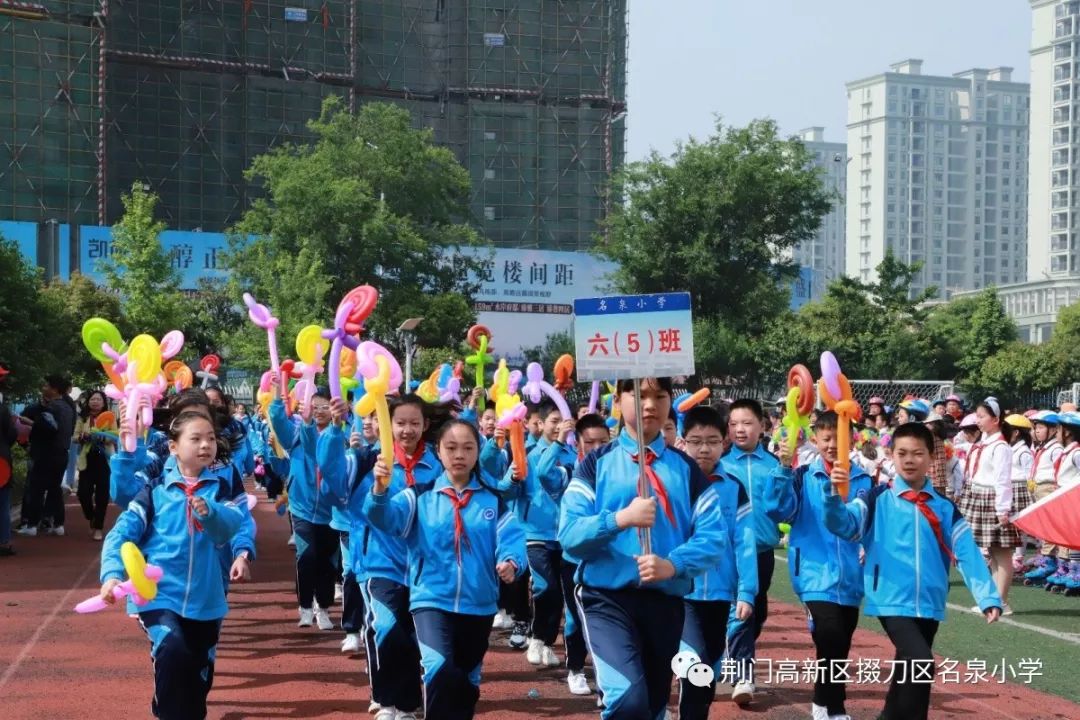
<point>140,270</point>
<point>991,331</point>
<point>876,329</point>
<point>213,315</point>
<point>70,304</point>
<point>372,201</point>
<point>427,359</point>
<point>555,345</point>
<point>26,325</point>
<point>717,218</point>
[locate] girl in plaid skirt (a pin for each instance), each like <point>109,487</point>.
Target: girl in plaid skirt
<point>988,501</point>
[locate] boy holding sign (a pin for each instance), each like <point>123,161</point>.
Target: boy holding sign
<point>638,554</point>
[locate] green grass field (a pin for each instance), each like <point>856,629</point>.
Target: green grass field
<point>965,636</point>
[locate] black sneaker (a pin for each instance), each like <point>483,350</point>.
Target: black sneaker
<point>519,636</point>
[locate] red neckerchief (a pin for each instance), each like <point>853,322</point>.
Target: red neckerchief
<point>657,486</point>
<point>919,499</point>
<point>976,455</point>
<point>189,491</point>
<point>1038,456</point>
<point>1057,463</point>
<point>408,464</point>
<point>459,523</point>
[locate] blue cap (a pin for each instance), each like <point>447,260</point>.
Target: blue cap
<point>1069,418</point>
<point>919,408</point>
<point>1046,417</point>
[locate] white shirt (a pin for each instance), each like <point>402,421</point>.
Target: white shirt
<point>989,466</point>
<point>1069,470</point>
<point>1022,461</point>
<point>1045,457</point>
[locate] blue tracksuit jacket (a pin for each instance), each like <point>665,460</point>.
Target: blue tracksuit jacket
<point>307,498</point>
<point>424,517</point>
<point>823,566</point>
<point>753,469</point>
<point>906,573</point>
<point>606,482</point>
<point>735,577</point>
<point>157,521</point>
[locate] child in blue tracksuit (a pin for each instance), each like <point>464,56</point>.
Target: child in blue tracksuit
<point>825,570</point>
<point>380,559</point>
<point>150,463</point>
<point>751,464</point>
<point>179,524</point>
<point>310,501</point>
<point>462,540</point>
<point>732,580</point>
<point>536,504</point>
<point>592,434</point>
<point>911,535</point>
<point>341,519</point>
<point>632,597</point>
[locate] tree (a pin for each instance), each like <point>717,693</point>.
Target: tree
<point>717,218</point>
<point>71,304</point>
<point>26,325</point>
<point>991,331</point>
<point>555,345</point>
<point>213,315</point>
<point>140,270</point>
<point>948,329</point>
<point>371,201</point>
<point>874,329</point>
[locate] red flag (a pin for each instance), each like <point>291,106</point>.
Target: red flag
<point>1054,519</point>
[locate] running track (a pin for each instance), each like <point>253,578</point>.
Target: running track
<point>57,665</point>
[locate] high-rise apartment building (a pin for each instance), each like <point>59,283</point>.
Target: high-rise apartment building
<point>824,254</point>
<point>939,175</point>
<point>1054,168</point>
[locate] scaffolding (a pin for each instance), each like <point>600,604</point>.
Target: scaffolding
<point>183,94</point>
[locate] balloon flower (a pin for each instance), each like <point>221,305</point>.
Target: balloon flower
<point>141,585</point>
<point>835,392</point>
<point>353,310</point>
<point>536,388</point>
<point>800,403</point>
<point>564,373</point>
<point>310,348</point>
<point>478,339</point>
<point>512,413</point>
<point>208,369</point>
<point>260,315</point>
<point>382,374</point>
<point>429,389</point>
<point>99,334</point>
<point>685,402</point>
<point>178,375</point>
<point>144,382</point>
<point>105,427</point>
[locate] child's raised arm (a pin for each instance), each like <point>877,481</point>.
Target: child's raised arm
<point>583,532</point>
<point>511,542</point>
<point>395,515</point>
<point>782,498</point>
<point>849,521</point>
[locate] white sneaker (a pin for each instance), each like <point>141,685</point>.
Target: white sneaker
<point>386,714</point>
<point>307,616</point>
<point>402,715</point>
<point>292,541</point>
<point>743,693</point>
<point>533,654</point>
<point>818,712</point>
<point>578,683</point>
<point>502,621</point>
<point>1007,610</point>
<point>27,531</point>
<point>373,707</point>
<point>840,717</point>
<point>339,592</point>
<point>322,617</point>
<point>549,658</point>
<point>57,531</point>
<point>519,638</point>
<point>351,644</point>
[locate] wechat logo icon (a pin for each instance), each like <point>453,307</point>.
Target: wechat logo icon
<point>688,666</point>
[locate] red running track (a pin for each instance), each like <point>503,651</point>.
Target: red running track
<point>55,664</point>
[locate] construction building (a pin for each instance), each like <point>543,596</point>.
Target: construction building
<point>183,94</point>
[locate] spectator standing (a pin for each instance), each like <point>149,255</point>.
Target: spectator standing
<point>52,423</point>
<point>93,462</point>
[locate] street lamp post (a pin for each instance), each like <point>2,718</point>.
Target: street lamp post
<point>408,335</point>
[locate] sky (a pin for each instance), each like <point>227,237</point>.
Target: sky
<point>691,60</point>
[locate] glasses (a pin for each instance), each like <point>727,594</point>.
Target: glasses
<point>698,444</point>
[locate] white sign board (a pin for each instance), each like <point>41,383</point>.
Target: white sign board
<point>633,336</point>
